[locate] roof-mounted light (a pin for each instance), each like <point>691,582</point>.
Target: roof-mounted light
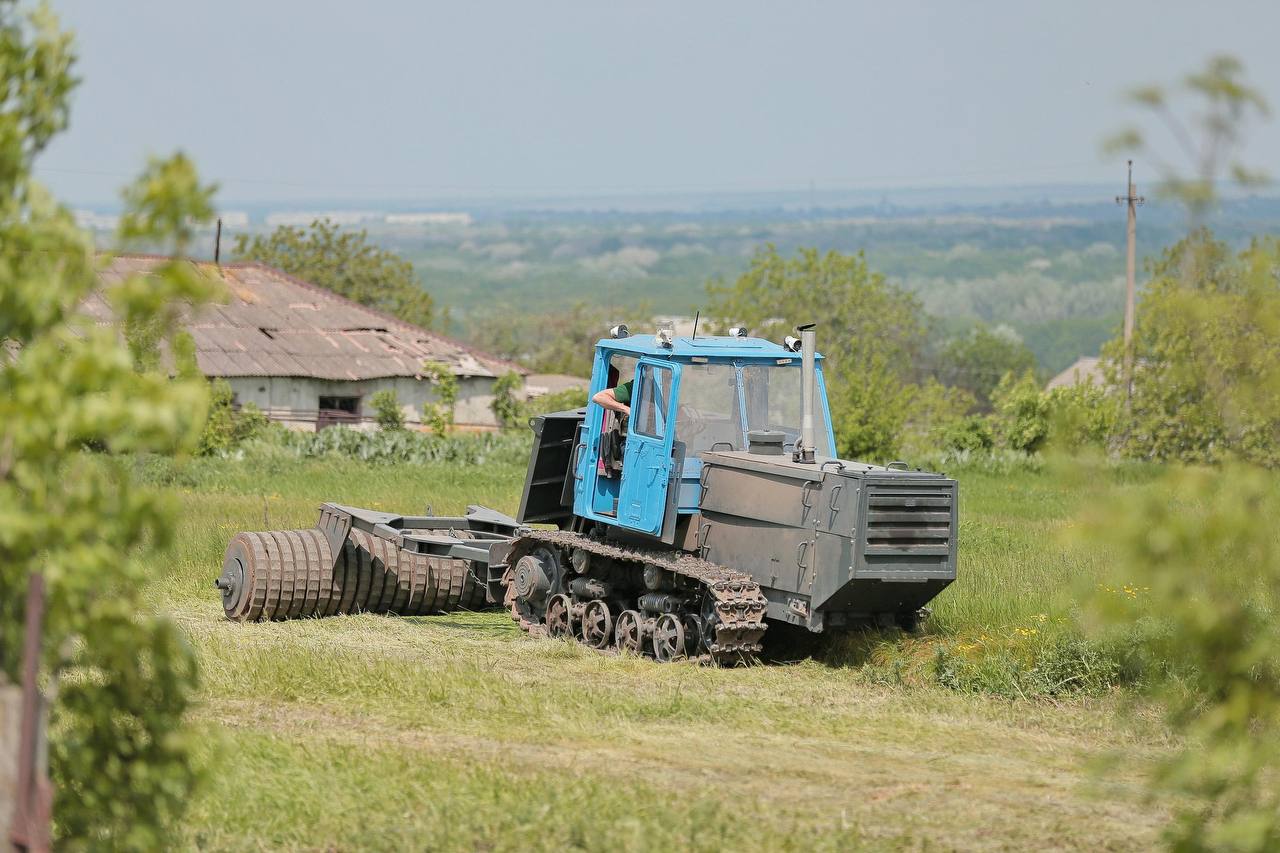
<point>619,332</point>
<point>739,332</point>
<point>666,334</point>
<point>791,343</point>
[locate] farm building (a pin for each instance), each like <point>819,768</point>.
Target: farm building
<point>1086,370</point>
<point>310,358</point>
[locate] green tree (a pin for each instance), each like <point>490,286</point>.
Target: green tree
<point>976,362</point>
<point>870,331</point>
<point>71,405</point>
<point>1207,344</point>
<point>387,410</point>
<point>346,263</point>
<point>559,342</point>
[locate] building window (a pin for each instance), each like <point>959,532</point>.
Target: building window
<point>338,410</point>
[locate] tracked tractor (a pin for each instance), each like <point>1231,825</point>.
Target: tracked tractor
<point>716,509</point>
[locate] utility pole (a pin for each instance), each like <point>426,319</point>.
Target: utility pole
<point>1132,199</point>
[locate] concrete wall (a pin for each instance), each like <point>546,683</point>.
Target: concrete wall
<point>294,401</point>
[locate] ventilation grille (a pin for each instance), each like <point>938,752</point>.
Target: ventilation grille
<point>909,519</point>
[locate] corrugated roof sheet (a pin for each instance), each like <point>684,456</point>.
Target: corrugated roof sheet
<point>272,324</point>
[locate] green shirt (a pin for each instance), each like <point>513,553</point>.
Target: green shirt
<point>623,393</point>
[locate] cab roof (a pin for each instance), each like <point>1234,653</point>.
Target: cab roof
<point>709,346</point>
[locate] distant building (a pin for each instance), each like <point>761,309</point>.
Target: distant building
<point>310,358</point>
<point>303,218</point>
<point>428,219</point>
<point>1087,369</point>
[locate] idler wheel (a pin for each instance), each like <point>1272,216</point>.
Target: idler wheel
<point>597,624</point>
<point>533,577</point>
<point>627,634</point>
<point>558,620</point>
<point>668,638</point>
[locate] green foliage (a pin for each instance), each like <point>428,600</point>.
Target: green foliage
<point>932,409</point>
<point>556,342</point>
<point>560,401</point>
<point>978,361</point>
<point>119,750</point>
<point>506,406</point>
<point>387,410</point>
<point>513,412</point>
<point>438,414</point>
<point>388,447</point>
<point>1200,555</point>
<point>346,263</point>
<point>1082,416</point>
<point>227,426</point>
<point>1207,349</point>
<point>1023,412</point>
<point>970,434</point>
<point>870,331</point>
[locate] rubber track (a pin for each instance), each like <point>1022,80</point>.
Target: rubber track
<point>738,600</point>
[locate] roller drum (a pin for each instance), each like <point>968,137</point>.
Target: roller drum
<point>292,574</point>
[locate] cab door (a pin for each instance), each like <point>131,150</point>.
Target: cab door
<point>646,461</point>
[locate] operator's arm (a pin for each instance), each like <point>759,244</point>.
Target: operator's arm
<point>609,400</point>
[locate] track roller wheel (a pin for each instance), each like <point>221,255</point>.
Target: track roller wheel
<point>558,620</point>
<point>668,638</point>
<point>627,634</point>
<point>695,635</point>
<point>597,624</point>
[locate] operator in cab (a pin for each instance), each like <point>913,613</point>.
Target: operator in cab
<point>616,399</point>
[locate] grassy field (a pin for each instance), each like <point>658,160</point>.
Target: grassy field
<point>458,732</point>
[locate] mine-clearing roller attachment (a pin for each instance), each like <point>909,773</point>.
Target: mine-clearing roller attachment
<point>695,502</point>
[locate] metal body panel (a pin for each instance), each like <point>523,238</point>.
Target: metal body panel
<point>546,498</point>
<point>843,539</point>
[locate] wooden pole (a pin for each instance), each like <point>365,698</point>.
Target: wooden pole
<point>1132,200</point>
<point>34,796</point>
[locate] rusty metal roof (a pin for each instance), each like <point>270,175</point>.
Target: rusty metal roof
<point>271,324</point>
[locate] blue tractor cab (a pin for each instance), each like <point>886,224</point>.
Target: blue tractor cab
<point>689,395</point>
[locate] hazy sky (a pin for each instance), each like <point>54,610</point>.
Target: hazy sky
<point>283,99</point>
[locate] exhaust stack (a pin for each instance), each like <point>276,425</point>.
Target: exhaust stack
<point>808,389</point>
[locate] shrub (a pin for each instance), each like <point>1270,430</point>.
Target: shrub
<point>506,406</point>
<point>1198,555</point>
<point>970,434</point>
<point>1083,415</point>
<point>560,401</point>
<point>438,415</point>
<point>228,427</point>
<point>387,410</point>
<point>1022,412</point>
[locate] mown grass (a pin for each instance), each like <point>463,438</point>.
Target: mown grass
<point>458,732</point>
